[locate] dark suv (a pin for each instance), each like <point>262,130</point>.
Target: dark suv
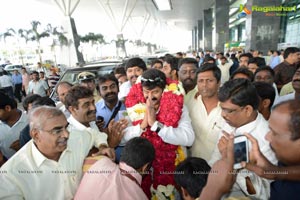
<point>70,75</point>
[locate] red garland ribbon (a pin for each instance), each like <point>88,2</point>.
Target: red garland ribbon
<point>169,114</point>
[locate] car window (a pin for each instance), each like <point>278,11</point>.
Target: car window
<point>71,75</point>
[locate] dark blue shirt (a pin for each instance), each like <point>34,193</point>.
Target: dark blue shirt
<point>282,189</point>
<point>24,135</point>
<point>105,112</point>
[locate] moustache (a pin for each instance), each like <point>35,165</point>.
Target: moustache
<point>188,79</point>
<point>152,99</point>
<point>111,93</point>
<point>296,80</point>
<point>62,140</point>
<point>91,112</point>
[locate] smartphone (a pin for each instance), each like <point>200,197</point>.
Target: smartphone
<point>241,151</point>
<point>100,118</point>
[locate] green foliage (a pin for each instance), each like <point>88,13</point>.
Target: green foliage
<point>93,38</point>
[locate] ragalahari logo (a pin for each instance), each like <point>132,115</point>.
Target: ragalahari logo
<point>243,11</point>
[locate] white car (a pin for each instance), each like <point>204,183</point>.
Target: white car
<point>11,68</point>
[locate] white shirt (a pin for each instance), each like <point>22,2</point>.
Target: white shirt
<point>92,131</point>
<point>38,87</point>
<point>124,90</point>
<point>206,127</point>
<point>284,98</point>
<point>63,108</point>
<point>225,71</point>
<point>30,175</point>
<point>5,81</point>
<point>8,135</point>
<point>258,129</point>
<point>182,135</point>
<point>276,90</point>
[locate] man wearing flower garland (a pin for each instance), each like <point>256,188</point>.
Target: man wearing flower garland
<point>155,107</point>
<point>134,68</point>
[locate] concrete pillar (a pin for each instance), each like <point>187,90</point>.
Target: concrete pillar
<point>207,26</point>
<point>200,35</point>
<point>196,38</point>
<point>193,39</point>
<point>221,24</point>
<point>262,29</point>
<point>70,55</point>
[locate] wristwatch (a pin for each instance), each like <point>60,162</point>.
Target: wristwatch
<point>156,126</point>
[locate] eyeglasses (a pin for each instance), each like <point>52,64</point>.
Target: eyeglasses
<point>56,131</point>
<point>230,111</point>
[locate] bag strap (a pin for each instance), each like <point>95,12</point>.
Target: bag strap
<point>114,113</point>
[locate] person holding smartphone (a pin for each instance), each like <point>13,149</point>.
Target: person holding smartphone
<point>284,138</point>
<point>107,110</point>
<point>239,103</point>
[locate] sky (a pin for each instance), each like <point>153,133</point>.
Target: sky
<point>19,13</point>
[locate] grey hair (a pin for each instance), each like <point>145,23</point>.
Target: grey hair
<point>39,116</point>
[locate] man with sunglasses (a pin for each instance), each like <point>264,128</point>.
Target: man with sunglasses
<point>239,103</point>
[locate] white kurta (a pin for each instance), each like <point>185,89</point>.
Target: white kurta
<point>92,131</point>
<point>206,127</point>
<point>225,75</point>
<point>124,90</point>
<point>182,135</point>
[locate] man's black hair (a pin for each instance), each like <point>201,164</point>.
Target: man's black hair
<point>240,92</point>
<point>210,67</point>
<point>5,100</point>
<point>153,78</point>
<point>136,62</point>
<point>265,68</point>
<point>107,77</point>
<point>188,61</point>
<point>243,70</point>
<point>191,174</point>
<point>137,152</point>
<point>289,51</point>
<point>75,93</point>
<point>265,91</point>
<point>43,101</point>
<point>173,61</point>
<point>29,100</point>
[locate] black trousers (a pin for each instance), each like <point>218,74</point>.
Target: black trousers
<point>18,91</point>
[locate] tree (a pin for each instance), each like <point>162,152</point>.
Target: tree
<point>120,44</point>
<point>58,38</point>
<point>36,35</point>
<point>93,39</point>
<point>12,33</point>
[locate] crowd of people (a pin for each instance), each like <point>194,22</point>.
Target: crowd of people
<point>161,132</point>
<point>19,84</point>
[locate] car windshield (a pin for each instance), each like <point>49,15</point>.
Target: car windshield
<point>71,76</point>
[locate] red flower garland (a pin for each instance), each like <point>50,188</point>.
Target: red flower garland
<point>169,114</point>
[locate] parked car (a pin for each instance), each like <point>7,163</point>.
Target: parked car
<point>11,68</point>
<point>70,75</point>
<point>148,60</point>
